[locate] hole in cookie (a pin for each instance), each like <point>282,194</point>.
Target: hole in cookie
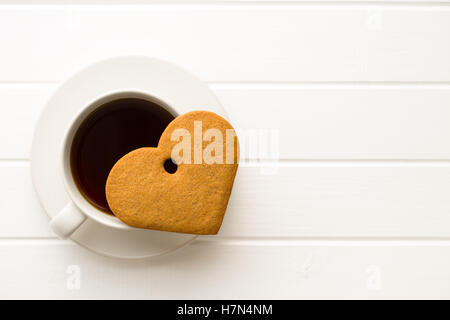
<point>170,166</point>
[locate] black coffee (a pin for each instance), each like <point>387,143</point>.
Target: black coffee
<point>107,134</point>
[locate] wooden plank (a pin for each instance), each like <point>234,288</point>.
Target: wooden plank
<point>20,106</point>
<point>233,42</point>
<point>22,214</point>
<point>340,201</point>
<point>302,201</point>
<point>209,270</point>
<point>346,122</point>
<point>313,122</point>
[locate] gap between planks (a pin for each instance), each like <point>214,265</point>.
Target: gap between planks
<point>279,84</point>
<point>265,242</point>
<point>305,163</point>
<point>232,2</point>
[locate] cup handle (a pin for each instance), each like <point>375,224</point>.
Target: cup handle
<point>67,220</point>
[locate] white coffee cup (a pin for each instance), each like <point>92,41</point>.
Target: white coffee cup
<point>79,209</point>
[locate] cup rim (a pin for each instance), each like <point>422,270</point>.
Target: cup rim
<point>69,184</point>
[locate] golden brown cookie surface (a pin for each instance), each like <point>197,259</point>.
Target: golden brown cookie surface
<point>141,193</point>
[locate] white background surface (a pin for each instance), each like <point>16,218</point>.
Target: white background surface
<point>360,92</point>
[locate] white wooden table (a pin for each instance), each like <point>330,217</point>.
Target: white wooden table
<point>360,93</point>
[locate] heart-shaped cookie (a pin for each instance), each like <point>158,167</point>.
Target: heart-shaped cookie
<point>146,190</point>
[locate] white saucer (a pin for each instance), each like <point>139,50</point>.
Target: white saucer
<point>178,88</point>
